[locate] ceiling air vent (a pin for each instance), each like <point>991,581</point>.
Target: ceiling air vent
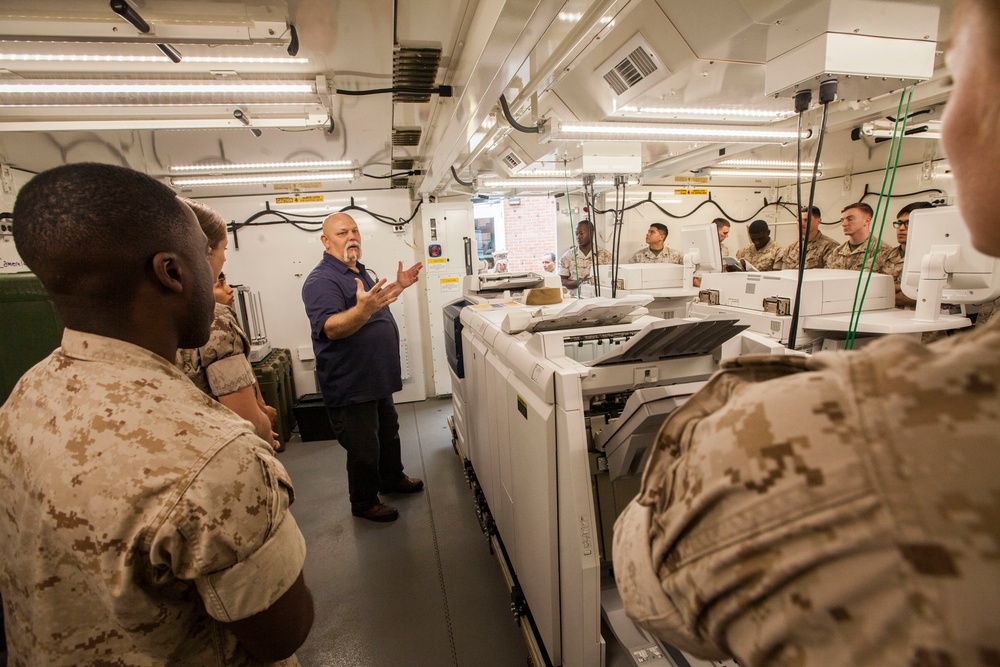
<point>632,70</point>
<point>512,161</point>
<point>402,164</point>
<point>400,182</point>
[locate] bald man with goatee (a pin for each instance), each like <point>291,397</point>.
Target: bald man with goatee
<point>356,342</point>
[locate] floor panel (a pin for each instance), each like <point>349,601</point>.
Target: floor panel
<point>423,590</point>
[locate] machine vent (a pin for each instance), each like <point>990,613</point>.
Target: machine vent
<point>400,182</point>
<point>409,136</point>
<point>415,68</point>
<point>403,164</point>
<point>632,70</point>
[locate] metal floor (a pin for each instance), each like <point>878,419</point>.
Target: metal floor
<point>423,591</point>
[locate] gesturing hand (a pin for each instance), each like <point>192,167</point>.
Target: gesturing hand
<point>379,296</point>
<point>406,278</point>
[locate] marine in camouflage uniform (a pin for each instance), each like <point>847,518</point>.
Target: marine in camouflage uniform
<point>845,257</point>
<point>839,509</point>
<point>764,258</point>
<point>666,256</point>
<point>221,366</point>
<point>581,264</point>
<point>153,514</point>
<point>892,263</point>
<point>817,254</point>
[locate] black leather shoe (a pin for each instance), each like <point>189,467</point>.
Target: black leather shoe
<point>378,512</point>
<point>403,485</point>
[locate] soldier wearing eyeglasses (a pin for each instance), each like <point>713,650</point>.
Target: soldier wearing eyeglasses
<point>893,261</point>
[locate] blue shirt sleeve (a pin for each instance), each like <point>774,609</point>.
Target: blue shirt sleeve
<point>324,297</point>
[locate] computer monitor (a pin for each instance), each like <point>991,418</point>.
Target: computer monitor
<point>942,266</point>
<point>700,245</point>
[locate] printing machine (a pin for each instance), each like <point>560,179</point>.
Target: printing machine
<point>483,287</point>
<point>554,419</point>
<point>764,301</point>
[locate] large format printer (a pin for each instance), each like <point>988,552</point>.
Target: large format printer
<point>554,419</point>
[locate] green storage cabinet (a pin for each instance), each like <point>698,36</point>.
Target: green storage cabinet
<point>29,327</point>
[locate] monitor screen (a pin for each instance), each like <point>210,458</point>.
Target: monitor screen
<point>970,276</point>
<point>703,242</point>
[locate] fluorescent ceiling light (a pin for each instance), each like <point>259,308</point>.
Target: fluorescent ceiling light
<point>288,177</point>
<point>543,183</point>
<point>760,173</point>
<point>311,116</point>
<point>777,164</point>
<point>96,58</point>
<point>668,132</point>
<point>710,112</point>
<point>543,173</point>
<point>313,164</point>
<point>157,87</point>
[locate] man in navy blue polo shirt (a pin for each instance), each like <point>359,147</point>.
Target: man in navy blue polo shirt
<point>356,342</point>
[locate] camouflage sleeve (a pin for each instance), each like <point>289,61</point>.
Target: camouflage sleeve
<point>231,532</point>
<point>565,262</point>
<point>227,368</point>
<point>717,554</point>
<point>636,257</point>
<point>230,374</point>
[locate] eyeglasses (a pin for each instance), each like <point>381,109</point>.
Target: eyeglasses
<point>901,223</point>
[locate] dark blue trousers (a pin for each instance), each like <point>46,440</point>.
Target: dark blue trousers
<point>370,434</point>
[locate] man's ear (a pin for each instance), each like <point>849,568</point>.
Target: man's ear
<point>325,241</point>
<point>167,269</point>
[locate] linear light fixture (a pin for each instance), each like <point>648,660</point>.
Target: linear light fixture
<point>545,173</point>
<point>545,183</point>
<point>109,58</point>
<point>155,87</point>
<point>766,164</point>
<point>242,166</point>
<point>709,112</point>
<point>250,179</point>
<point>626,131</point>
<point>309,116</point>
<point>760,173</point>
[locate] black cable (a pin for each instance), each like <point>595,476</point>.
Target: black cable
<point>398,174</point>
<point>443,91</point>
<point>897,196</point>
<point>287,218</point>
<point>805,245</point>
<point>534,129</point>
<point>458,180</point>
<point>778,204</point>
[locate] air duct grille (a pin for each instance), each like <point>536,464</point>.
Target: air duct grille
<point>632,70</point>
<point>400,182</point>
<point>415,68</point>
<point>402,164</point>
<point>406,136</point>
<point>512,161</point>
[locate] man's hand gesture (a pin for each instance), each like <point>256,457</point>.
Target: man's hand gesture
<point>406,278</point>
<point>379,296</point>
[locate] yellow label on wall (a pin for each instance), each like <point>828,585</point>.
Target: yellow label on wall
<point>437,260</point>
<point>691,179</point>
<point>298,200</point>
<point>698,191</point>
<point>296,186</point>
<point>445,281</point>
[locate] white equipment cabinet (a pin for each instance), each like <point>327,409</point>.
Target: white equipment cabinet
<point>555,417</point>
